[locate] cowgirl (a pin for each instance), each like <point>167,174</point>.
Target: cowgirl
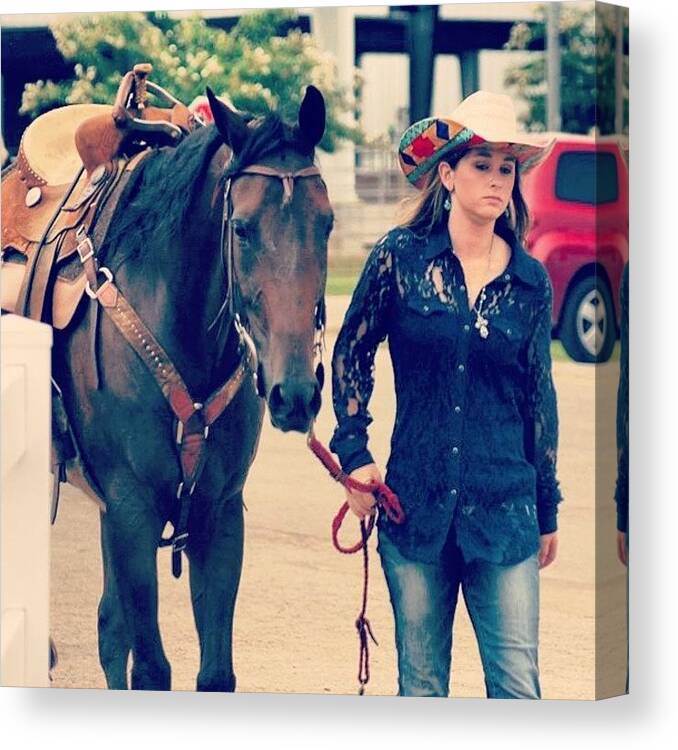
<point>473,453</point>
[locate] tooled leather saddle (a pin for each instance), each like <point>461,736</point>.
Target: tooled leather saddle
<point>71,168</point>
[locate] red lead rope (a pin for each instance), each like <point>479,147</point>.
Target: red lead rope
<point>387,501</point>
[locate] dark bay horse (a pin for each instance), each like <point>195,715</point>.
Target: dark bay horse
<point>170,258</point>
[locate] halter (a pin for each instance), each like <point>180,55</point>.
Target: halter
<point>287,179</point>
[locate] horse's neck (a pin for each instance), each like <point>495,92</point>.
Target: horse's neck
<point>179,292</point>
<point>197,314</point>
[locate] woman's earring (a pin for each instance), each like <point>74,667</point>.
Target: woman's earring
<point>448,201</point>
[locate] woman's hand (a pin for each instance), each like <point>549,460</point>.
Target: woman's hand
<point>362,503</point>
<point>623,547</point>
<point>548,549</point>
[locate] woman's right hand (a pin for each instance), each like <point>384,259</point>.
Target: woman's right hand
<point>363,503</point>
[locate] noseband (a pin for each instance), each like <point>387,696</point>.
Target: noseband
<point>287,179</point>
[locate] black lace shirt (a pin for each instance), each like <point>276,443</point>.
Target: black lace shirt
<point>476,426</point>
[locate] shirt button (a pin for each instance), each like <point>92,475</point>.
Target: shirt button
<point>461,368</point>
<point>455,450</point>
<point>507,277</point>
<point>425,308</point>
<point>453,493</point>
<point>467,327</point>
<point>457,409</point>
<point>462,288</point>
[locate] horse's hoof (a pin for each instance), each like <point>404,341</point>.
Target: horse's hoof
<point>226,685</point>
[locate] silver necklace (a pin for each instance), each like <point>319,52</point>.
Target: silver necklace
<point>481,321</point>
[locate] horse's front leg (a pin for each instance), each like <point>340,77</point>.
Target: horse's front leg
<point>215,553</point>
<point>115,640</point>
<point>130,533</point>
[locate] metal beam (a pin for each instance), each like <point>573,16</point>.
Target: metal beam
<point>452,37</point>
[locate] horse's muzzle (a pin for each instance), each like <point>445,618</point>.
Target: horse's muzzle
<point>294,403</point>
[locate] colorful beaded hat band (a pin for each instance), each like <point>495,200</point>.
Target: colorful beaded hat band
<point>483,117</point>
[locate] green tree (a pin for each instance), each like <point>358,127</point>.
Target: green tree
<point>588,41</point>
<point>260,65</point>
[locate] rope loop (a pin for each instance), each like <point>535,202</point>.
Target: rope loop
<point>385,500</point>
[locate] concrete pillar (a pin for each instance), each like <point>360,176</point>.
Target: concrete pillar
<point>334,30</point>
<point>470,72</point>
<point>421,29</point>
<point>553,117</point>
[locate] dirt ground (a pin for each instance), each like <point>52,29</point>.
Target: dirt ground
<point>298,599</point>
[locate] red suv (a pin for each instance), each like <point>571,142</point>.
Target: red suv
<point>578,199</point>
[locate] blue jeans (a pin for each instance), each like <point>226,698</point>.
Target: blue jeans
<point>503,604</point>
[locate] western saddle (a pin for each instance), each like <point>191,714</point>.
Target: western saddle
<point>71,168</point>
<point>60,194</point>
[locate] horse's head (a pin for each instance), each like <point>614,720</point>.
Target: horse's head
<point>277,219</point>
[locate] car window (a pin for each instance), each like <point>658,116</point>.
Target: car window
<point>587,177</point>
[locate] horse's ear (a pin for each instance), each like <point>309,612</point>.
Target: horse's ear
<point>312,117</point>
<point>232,127</point>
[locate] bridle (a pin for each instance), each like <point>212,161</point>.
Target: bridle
<point>226,244</point>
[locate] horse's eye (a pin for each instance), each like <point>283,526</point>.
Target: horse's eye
<point>241,230</point>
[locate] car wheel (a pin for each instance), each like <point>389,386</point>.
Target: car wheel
<point>588,330</point>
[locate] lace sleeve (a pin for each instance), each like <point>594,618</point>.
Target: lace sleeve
<point>622,488</point>
<point>542,427</point>
<point>364,327</point>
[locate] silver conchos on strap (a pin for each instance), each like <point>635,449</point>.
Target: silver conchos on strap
<point>33,197</point>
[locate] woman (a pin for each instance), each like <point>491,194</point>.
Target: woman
<point>473,454</point>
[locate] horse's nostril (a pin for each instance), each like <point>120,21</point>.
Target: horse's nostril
<point>275,399</point>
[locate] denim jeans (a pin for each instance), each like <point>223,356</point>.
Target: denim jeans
<point>503,604</point>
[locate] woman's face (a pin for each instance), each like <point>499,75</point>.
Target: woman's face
<point>482,181</point>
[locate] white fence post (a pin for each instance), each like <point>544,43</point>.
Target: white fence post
<point>25,502</point>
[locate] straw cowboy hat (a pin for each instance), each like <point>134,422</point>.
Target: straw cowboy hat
<point>483,117</point>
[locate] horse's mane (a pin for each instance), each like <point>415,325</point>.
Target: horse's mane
<point>158,196</point>
<point>161,191</point>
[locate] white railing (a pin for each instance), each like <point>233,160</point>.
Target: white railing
<point>378,178</point>
<point>366,211</point>
<point>24,503</point>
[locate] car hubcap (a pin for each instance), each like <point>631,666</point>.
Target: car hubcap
<point>592,323</point>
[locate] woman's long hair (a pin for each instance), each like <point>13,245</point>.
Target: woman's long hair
<point>424,211</point>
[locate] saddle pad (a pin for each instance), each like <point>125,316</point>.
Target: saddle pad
<point>48,144</point>
<point>66,295</point>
